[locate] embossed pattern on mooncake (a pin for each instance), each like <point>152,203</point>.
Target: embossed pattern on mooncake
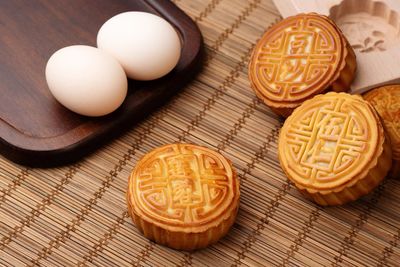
<point>299,57</point>
<point>183,185</point>
<point>330,141</point>
<point>386,101</point>
<point>183,196</point>
<point>293,59</point>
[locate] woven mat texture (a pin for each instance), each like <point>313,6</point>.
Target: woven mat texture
<point>76,215</point>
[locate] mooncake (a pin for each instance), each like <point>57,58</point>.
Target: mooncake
<point>386,101</point>
<point>183,196</point>
<point>334,149</point>
<point>299,57</point>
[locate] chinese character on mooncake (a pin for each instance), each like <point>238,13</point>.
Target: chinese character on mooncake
<point>299,57</point>
<point>334,149</point>
<point>183,196</point>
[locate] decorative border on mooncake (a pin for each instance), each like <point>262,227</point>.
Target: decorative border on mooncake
<point>362,182</point>
<point>361,187</point>
<point>339,82</point>
<point>184,240</point>
<point>186,237</point>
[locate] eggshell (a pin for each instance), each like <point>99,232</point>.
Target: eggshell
<point>146,45</point>
<point>86,80</point>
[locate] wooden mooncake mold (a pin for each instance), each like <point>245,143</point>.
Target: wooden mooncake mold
<point>183,196</point>
<point>299,57</point>
<point>386,101</point>
<point>333,147</point>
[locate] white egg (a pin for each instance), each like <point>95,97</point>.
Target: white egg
<point>146,45</point>
<point>86,80</point>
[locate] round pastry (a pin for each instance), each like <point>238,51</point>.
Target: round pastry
<point>386,100</point>
<point>299,57</point>
<point>333,148</point>
<point>183,196</point>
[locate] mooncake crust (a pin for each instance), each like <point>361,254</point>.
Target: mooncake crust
<point>183,196</point>
<point>327,62</point>
<point>386,101</point>
<point>334,148</point>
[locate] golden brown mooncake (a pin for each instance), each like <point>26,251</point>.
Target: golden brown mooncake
<point>333,148</point>
<point>183,196</point>
<point>386,100</point>
<point>299,57</point>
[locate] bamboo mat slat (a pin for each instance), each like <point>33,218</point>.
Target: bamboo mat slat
<point>76,215</point>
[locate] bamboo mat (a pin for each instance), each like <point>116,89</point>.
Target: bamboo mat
<point>76,215</point>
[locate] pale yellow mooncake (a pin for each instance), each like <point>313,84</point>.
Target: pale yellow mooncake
<point>334,149</point>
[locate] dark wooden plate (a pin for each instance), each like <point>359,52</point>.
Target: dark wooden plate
<point>34,129</point>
